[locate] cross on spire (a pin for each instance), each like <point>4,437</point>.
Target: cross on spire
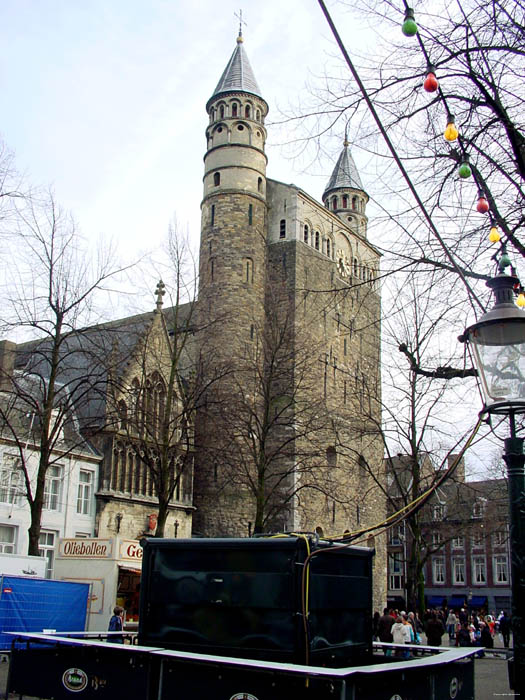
<point>241,22</point>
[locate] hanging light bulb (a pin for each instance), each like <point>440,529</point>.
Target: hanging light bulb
<point>409,27</point>
<point>520,301</point>
<point>464,169</point>
<point>451,132</point>
<point>482,206</point>
<point>431,84</point>
<point>494,235</point>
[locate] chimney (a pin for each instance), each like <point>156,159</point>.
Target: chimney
<point>7,363</point>
<point>459,472</point>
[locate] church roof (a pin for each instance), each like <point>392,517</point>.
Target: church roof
<point>345,173</point>
<point>238,75</point>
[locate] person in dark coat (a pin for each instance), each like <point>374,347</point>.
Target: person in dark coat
<point>434,631</point>
<point>504,628</point>
<point>384,627</point>
<point>463,636</point>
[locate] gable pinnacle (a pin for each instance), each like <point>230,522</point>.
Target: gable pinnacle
<point>160,291</point>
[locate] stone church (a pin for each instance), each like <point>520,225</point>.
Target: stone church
<point>283,346</point>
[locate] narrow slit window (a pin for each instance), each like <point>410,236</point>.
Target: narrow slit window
<point>250,214</point>
<point>213,214</point>
<point>306,234</point>
<point>317,240</point>
<point>282,229</point>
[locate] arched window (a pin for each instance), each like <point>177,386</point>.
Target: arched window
<point>282,229</point>
<point>247,112</point>
<point>354,202</point>
<point>345,201</point>
<point>331,457</point>
<point>317,240</point>
<point>248,268</point>
<point>216,179</point>
<point>258,115</point>
<point>221,111</point>
<point>260,185</point>
<point>306,233</point>
<point>234,109</point>
<point>334,203</point>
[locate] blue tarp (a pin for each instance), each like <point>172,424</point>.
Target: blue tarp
<point>456,602</point>
<point>32,605</point>
<point>478,601</point>
<point>435,600</point>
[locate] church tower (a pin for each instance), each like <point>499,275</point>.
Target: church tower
<point>231,279</point>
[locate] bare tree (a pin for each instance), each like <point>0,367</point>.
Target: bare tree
<point>51,290</point>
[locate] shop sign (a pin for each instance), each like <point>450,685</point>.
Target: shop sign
<point>75,680</point>
<point>85,548</point>
<point>130,549</point>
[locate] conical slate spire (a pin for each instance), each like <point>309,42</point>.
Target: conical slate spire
<point>238,75</point>
<point>345,173</point>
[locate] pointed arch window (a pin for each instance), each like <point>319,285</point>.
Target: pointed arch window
<point>216,179</point>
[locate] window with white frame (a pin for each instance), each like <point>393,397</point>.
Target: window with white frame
<point>395,571</point>
<point>7,539</point>
<point>438,570</point>
<point>438,512</point>
<point>437,539</point>
<point>10,480</point>
<point>396,534</point>
<point>46,549</point>
<point>53,488</point>
<point>501,569</point>
<point>499,538</point>
<point>478,509</point>
<point>478,540</point>
<point>458,571</point>
<point>458,542</point>
<point>479,570</point>
<point>85,490</point>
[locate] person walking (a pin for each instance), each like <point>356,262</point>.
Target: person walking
<point>451,624</point>
<point>434,631</point>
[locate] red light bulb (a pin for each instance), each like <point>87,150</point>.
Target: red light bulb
<point>482,206</point>
<point>431,84</point>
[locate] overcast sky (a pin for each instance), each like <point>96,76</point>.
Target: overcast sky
<point>104,100</point>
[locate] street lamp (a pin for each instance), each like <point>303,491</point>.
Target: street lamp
<point>497,342</point>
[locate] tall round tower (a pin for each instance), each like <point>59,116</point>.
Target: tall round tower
<point>232,271</point>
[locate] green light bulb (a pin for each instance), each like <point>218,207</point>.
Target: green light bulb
<point>409,27</point>
<point>464,170</point>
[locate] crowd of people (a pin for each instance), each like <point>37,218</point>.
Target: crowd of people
<point>464,629</point>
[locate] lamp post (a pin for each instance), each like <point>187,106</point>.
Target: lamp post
<point>497,342</point>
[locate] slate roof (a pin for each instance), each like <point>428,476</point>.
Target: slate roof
<point>238,75</point>
<point>344,174</point>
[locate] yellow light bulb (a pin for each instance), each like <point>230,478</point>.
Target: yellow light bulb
<point>451,132</point>
<point>494,236</point>
<point>520,301</point>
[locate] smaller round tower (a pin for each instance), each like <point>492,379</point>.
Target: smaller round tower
<point>344,193</point>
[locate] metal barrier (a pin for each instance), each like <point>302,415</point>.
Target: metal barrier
<point>93,669</point>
